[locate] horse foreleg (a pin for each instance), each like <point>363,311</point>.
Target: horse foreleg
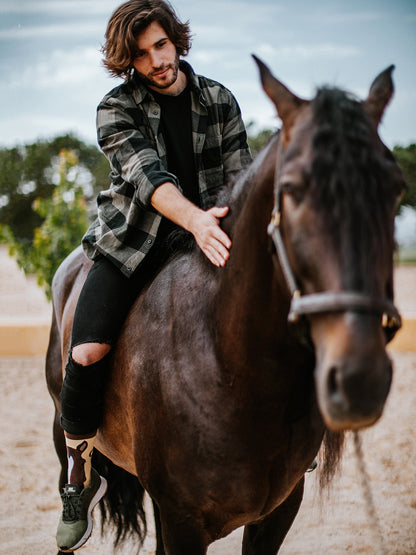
<point>266,537</point>
<point>160,550</point>
<point>182,534</point>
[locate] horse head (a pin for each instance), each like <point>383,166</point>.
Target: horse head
<point>337,188</point>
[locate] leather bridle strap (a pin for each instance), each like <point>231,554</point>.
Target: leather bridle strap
<point>342,301</point>
<point>325,302</point>
<point>274,232</point>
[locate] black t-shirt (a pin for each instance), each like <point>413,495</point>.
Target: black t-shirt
<point>176,128</point>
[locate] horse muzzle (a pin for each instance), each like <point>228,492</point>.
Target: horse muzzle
<point>353,372</point>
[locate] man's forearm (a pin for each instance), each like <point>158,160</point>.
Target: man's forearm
<point>170,202</point>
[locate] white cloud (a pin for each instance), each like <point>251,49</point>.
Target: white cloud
<point>61,68</point>
<point>266,50</point>
<point>24,129</point>
<point>309,51</point>
<point>56,7</point>
<point>206,56</point>
<point>44,31</point>
<point>353,17</point>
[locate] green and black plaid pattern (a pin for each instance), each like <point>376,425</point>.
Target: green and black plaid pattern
<point>128,121</point>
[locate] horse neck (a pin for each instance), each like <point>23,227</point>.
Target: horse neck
<point>251,301</point>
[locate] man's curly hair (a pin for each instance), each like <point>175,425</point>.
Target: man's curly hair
<point>128,21</point>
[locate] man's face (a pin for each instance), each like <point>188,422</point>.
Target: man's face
<point>157,61</point>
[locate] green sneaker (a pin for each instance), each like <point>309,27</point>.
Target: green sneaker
<point>75,526</point>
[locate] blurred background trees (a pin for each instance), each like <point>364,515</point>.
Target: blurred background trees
<point>406,158</point>
<point>48,191</point>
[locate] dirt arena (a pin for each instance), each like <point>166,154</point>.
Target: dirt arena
<point>30,504</point>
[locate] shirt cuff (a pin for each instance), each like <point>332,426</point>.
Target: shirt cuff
<point>151,182</point>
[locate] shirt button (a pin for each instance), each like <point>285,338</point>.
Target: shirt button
<point>129,268</point>
<point>149,241</point>
<point>155,112</point>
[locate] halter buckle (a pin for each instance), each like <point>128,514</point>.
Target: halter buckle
<point>275,221</point>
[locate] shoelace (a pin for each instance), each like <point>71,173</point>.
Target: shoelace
<point>70,506</point>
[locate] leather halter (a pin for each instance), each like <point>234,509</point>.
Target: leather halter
<point>328,301</point>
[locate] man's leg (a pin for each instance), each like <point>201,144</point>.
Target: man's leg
<point>103,305</point>
<point>82,399</point>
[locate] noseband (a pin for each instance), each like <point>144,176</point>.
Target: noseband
<point>326,302</point>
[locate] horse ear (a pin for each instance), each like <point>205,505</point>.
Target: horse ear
<point>287,104</point>
<point>380,95</point>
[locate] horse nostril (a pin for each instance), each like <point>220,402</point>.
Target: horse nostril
<point>332,382</point>
<point>336,388</point>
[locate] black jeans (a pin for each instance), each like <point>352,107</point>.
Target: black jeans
<point>107,296</point>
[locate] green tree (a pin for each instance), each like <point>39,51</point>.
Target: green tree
<point>31,171</point>
<point>257,141</point>
<point>64,221</point>
<point>406,158</point>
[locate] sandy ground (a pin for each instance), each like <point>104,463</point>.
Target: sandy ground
<point>30,504</point>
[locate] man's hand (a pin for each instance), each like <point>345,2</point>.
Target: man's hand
<point>203,224</point>
<point>211,239</point>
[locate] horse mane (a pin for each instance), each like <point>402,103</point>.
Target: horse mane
<point>179,241</point>
<point>348,178</point>
<point>235,192</point>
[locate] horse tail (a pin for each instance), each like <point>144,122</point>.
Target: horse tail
<point>122,506</point>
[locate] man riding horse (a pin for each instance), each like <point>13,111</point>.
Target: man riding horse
<point>172,138</point>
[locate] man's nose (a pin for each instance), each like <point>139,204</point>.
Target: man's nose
<point>155,59</point>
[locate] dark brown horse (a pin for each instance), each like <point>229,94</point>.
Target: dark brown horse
<point>216,404</point>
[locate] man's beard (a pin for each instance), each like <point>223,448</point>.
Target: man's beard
<point>154,82</point>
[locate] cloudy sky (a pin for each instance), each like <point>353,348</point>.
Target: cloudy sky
<point>52,78</point>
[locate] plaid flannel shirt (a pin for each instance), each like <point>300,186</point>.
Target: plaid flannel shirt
<point>128,121</point>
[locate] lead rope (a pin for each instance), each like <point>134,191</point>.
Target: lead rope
<point>368,496</point>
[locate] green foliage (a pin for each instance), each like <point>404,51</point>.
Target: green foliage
<point>406,158</point>
<point>406,255</point>
<point>30,172</point>
<point>45,190</point>
<point>18,190</point>
<point>64,221</point>
<point>257,142</point>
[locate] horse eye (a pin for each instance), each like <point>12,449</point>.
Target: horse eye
<point>295,190</point>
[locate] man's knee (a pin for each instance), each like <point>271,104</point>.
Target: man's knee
<point>89,353</point>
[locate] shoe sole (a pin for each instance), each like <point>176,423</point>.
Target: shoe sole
<point>98,495</point>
